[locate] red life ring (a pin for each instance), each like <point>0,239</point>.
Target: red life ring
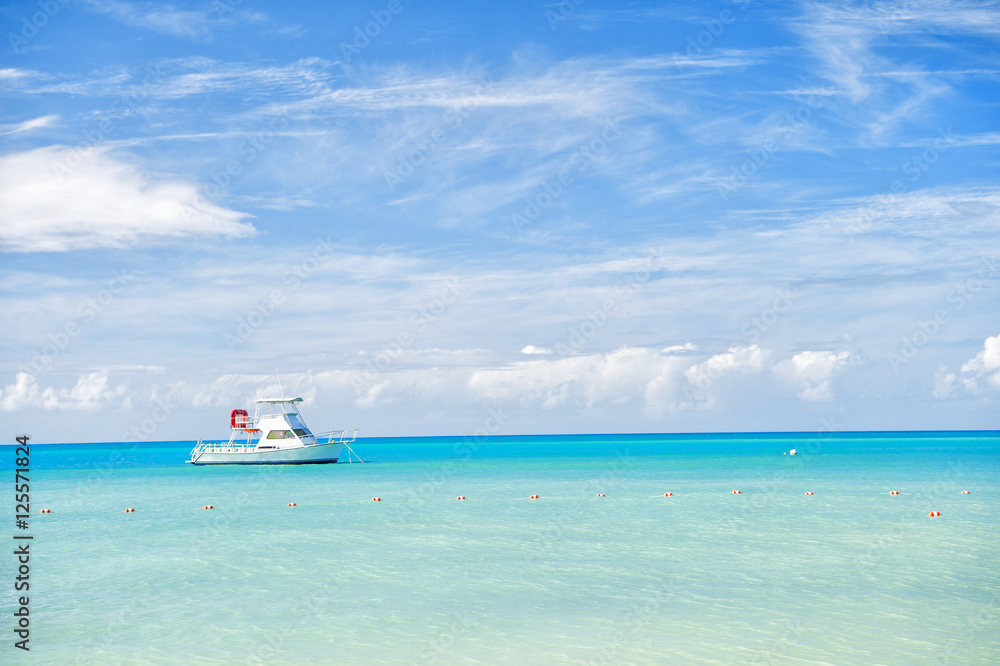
<point>241,423</point>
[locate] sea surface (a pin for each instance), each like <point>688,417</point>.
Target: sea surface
<point>601,568</point>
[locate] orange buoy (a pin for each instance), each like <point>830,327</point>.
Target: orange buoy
<point>937,513</point>
<point>600,494</point>
<point>808,493</point>
<point>460,497</point>
<point>737,492</point>
<point>376,499</point>
<point>209,506</point>
<point>291,504</point>
<point>46,510</point>
<point>534,497</point>
<point>668,494</point>
<point>893,492</point>
<point>965,492</point>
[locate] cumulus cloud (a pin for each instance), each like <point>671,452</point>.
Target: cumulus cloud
<point>615,377</point>
<point>703,375</point>
<point>92,391</point>
<point>57,199</point>
<point>811,373</point>
<point>987,361</point>
<point>950,385</point>
<point>650,380</point>
<point>983,367</point>
<point>653,381</point>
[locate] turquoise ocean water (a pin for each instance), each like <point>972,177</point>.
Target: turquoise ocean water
<point>848,575</point>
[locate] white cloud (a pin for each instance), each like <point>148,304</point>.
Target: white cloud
<point>19,395</point>
<point>698,387</point>
<point>34,123</point>
<point>158,18</point>
<point>578,381</point>
<point>91,392</point>
<point>55,199</point>
<point>984,366</point>
<point>926,213</point>
<point>811,372</point>
<point>532,349</point>
<point>852,44</point>
<point>647,381</point>
<point>948,385</point>
<point>737,359</point>
<point>987,360</point>
<point>12,73</point>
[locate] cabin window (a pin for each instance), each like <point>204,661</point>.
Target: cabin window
<point>301,432</point>
<point>280,434</point>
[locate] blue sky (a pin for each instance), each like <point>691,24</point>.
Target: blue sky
<point>440,218</point>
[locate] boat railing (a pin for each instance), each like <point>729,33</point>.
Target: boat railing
<point>336,436</point>
<point>221,447</point>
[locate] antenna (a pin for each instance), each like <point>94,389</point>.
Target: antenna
<point>280,390</point>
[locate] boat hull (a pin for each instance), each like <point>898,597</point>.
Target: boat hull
<point>299,455</point>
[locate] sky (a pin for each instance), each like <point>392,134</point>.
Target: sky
<point>431,218</point>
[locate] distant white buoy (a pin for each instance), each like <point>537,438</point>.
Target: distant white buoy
<point>793,452</point>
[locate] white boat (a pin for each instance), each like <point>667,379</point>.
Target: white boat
<point>276,435</point>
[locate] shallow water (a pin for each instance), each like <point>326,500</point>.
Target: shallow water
<point>850,574</point>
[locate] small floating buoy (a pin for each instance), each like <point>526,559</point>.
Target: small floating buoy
<point>937,513</point>
<point>460,497</point>
<point>46,510</point>
<point>209,506</point>
<point>600,494</point>
<point>808,493</point>
<point>533,497</point>
<point>376,499</point>
<point>668,494</point>
<point>893,492</point>
<point>130,510</point>
<point>965,492</point>
<point>737,492</point>
<point>793,452</point>
<point>291,504</point>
